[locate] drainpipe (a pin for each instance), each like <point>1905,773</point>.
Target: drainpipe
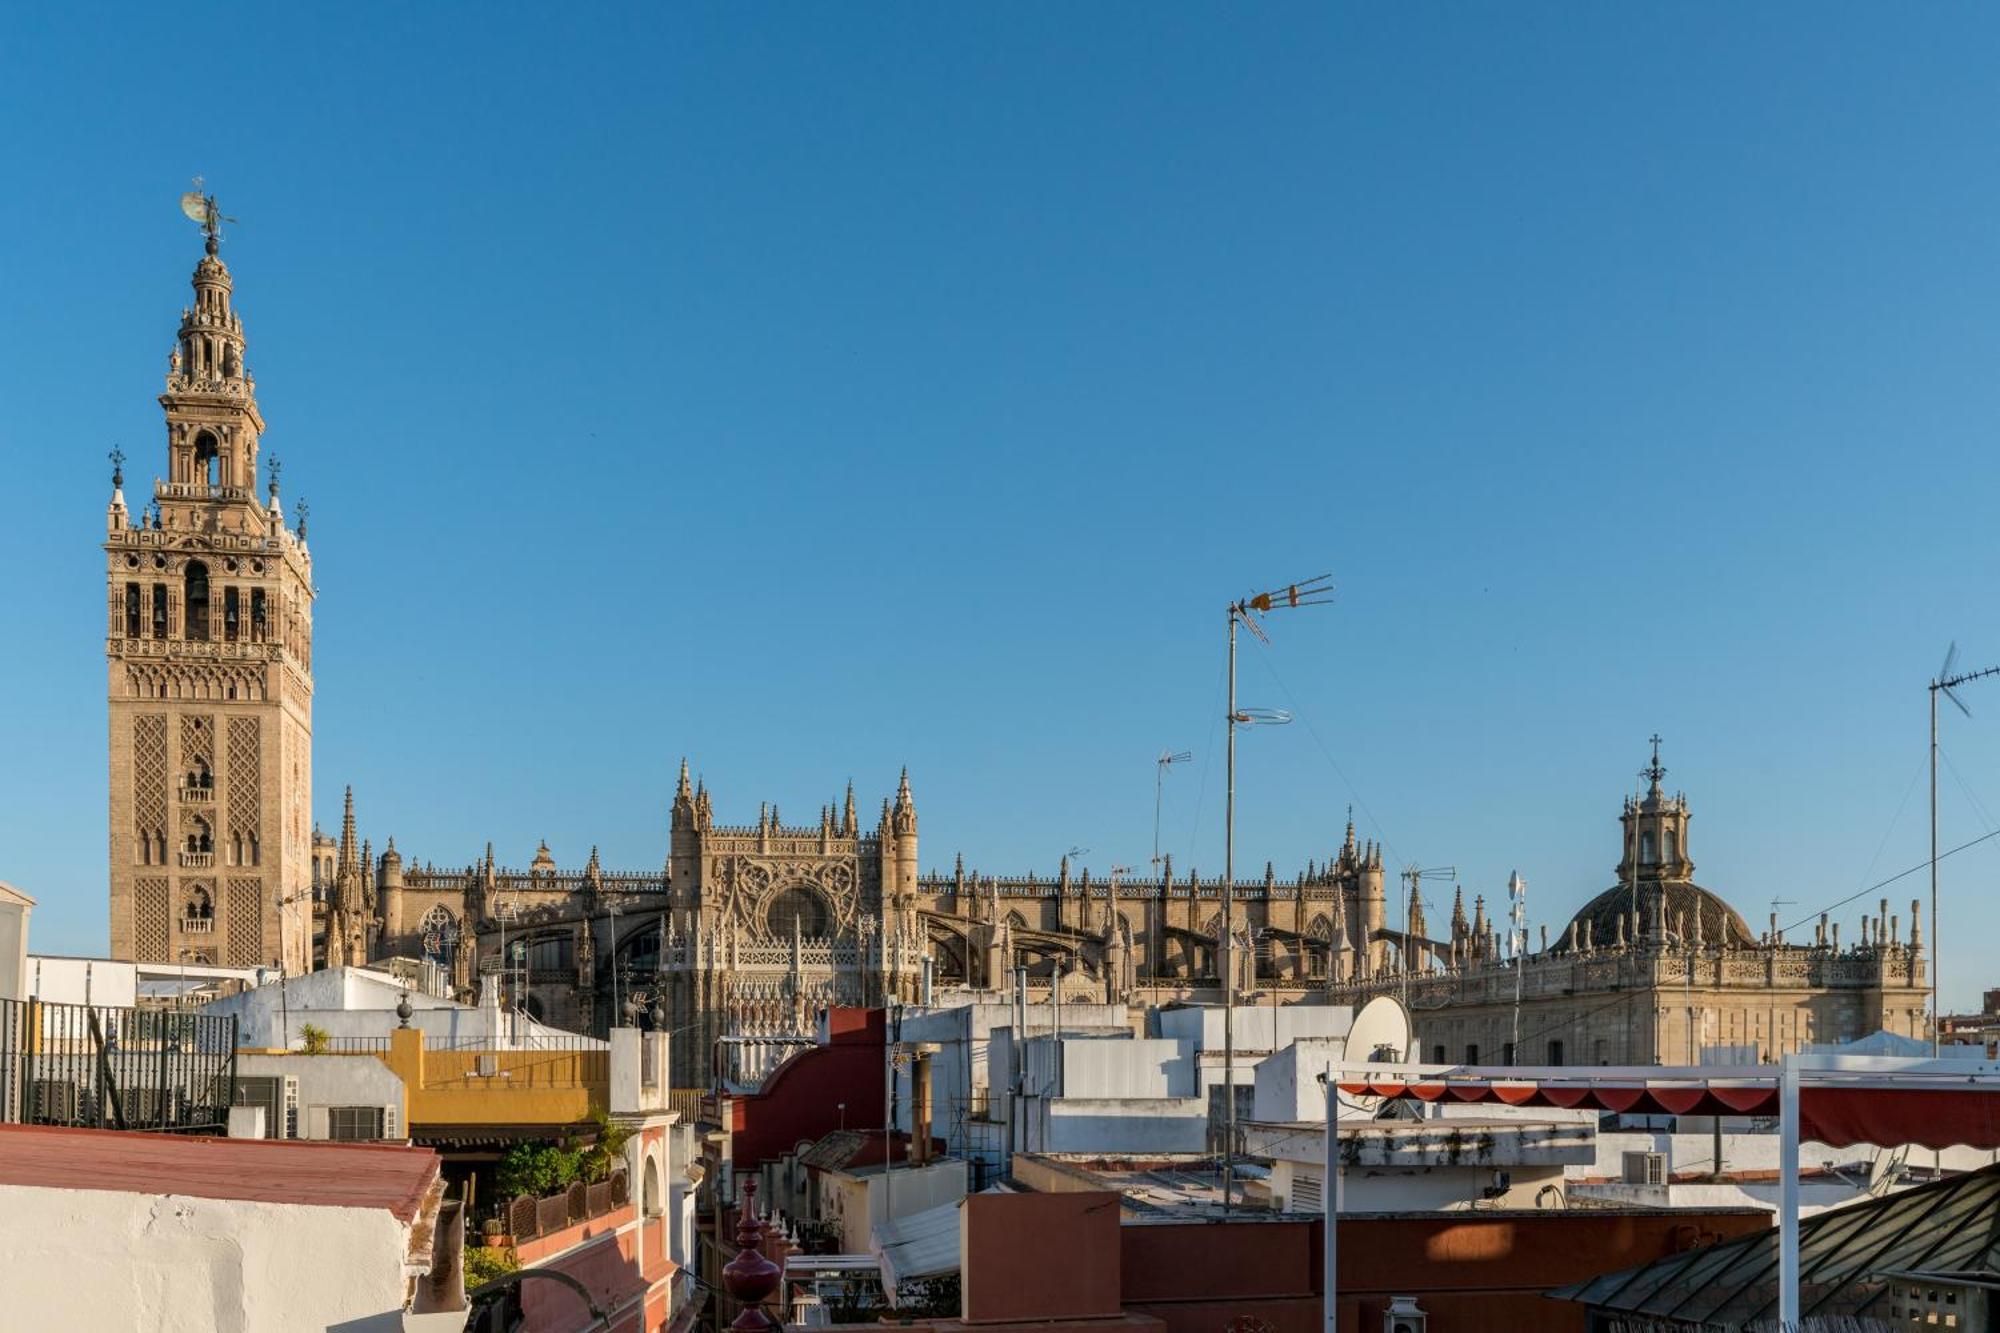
<point>920,1106</point>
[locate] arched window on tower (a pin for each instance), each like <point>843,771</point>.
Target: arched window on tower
<point>135,619</point>
<point>198,908</point>
<point>197,601</point>
<point>207,461</point>
<point>200,839</point>
<point>160,612</point>
<point>1673,845</point>
<point>260,616</point>
<point>231,617</point>
<point>1648,855</point>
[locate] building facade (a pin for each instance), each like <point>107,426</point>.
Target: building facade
<point>209,652</point>
<point>1657,970</point>
<point>749,931</point>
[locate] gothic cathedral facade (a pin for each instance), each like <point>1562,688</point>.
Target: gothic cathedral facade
<point>209,652</point>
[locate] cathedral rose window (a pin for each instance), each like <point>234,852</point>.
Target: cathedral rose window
<point>796,911</point>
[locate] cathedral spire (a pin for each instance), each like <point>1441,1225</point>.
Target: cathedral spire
<point>347,831</point>
<point>685,790</point>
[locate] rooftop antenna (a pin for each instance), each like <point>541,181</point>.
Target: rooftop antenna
<point>1943,683</point>
<point>1517,894</point>
<point>201,210</point>
<point>1413,877</point>
<point>1315,591</point>
<point>1167,759</point>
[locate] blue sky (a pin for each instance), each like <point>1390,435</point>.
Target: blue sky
<point>813,390</point>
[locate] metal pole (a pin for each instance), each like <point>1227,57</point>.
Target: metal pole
<point>1788,1194</point>
<point>1330,1322</point>
<point>1159,794</point>
<point>1937,1022</point>
<point>1227,944</point>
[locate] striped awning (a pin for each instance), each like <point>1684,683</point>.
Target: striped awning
<point>1932,1104</point>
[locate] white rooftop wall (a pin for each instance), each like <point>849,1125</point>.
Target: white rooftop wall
<point>1258,1028</point>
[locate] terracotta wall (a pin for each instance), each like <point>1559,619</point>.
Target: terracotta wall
<point>801,1099</point>
<point>1064,1256</point>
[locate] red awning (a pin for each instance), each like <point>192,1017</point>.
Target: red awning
<point>1836,1114</point>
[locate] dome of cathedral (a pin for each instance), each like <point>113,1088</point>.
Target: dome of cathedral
<point>1719,922</point>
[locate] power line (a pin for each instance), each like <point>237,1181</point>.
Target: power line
<point>1299,712</point>
<point>1901,874</point>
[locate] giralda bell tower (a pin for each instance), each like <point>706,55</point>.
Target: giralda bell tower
<point>209,646</point>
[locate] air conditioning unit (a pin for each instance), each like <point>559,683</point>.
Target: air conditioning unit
<point>1645,1168</point>
<point>1403,1316</point>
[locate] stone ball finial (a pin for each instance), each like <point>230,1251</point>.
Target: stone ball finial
<point>403,1011</point>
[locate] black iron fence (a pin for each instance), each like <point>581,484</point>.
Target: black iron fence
<point>109,1068</point>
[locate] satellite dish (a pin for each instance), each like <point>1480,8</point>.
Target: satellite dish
<point>195,205</point>
<point>1381,1032</point>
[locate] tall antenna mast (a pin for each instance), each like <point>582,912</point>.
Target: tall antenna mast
<point>1167,759</point>
<point>1316,591</point>
<point>1413,877</point>
<point>1943,683</point>
<point>1517,894</point>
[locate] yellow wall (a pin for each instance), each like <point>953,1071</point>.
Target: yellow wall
<point>551,1088</point>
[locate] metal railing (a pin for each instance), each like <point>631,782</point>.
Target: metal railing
<point>111,1068</point>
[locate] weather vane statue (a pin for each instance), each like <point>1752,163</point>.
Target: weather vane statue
<point>200,208</point>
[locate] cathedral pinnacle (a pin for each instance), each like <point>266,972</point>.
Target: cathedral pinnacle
<point>347,831</point>
<point>684,791</point>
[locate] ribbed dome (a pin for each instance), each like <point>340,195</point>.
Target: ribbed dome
<point>1719,922</point>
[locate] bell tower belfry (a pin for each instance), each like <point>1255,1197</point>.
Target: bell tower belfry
<point>209,649</point>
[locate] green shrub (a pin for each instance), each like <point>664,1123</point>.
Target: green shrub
<point>537,1169</point>
<point>483,1263</point>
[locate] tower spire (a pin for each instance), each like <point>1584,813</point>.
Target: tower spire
<point>347,830</point>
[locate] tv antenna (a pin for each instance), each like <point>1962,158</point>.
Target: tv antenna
<point>1315,591</point>
<point>1413,878</point>
<point>1167,759</point>
<point>201,210</point>
<point>1945,682</point>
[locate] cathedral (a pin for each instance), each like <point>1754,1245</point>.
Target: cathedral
<point>745,932</point>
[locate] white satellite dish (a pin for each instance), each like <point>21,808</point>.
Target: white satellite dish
<point>1381,1033</point>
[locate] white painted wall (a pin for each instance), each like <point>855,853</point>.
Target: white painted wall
<point>349,1002</point>
<point>334,1080</point>
<point>106,1259</point>
<point>1258,1028</point>
<point>1125,1125</point>
<point>857,1203</point>
<point>1424,1189</point>
<point>100,982</point>
<point>15,908</point>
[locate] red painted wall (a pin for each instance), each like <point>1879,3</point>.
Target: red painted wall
<point>1483,1271</point>
<point>1040,1256</point>
<point>801,1099</point>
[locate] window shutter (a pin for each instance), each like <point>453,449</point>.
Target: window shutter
<point>316,1123</point>
<point>290,1128</point>
<point>390,1130</point>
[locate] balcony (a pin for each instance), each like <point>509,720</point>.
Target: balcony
<point>197,860</point>
<point>197,925</point>
<point>197,796</point>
